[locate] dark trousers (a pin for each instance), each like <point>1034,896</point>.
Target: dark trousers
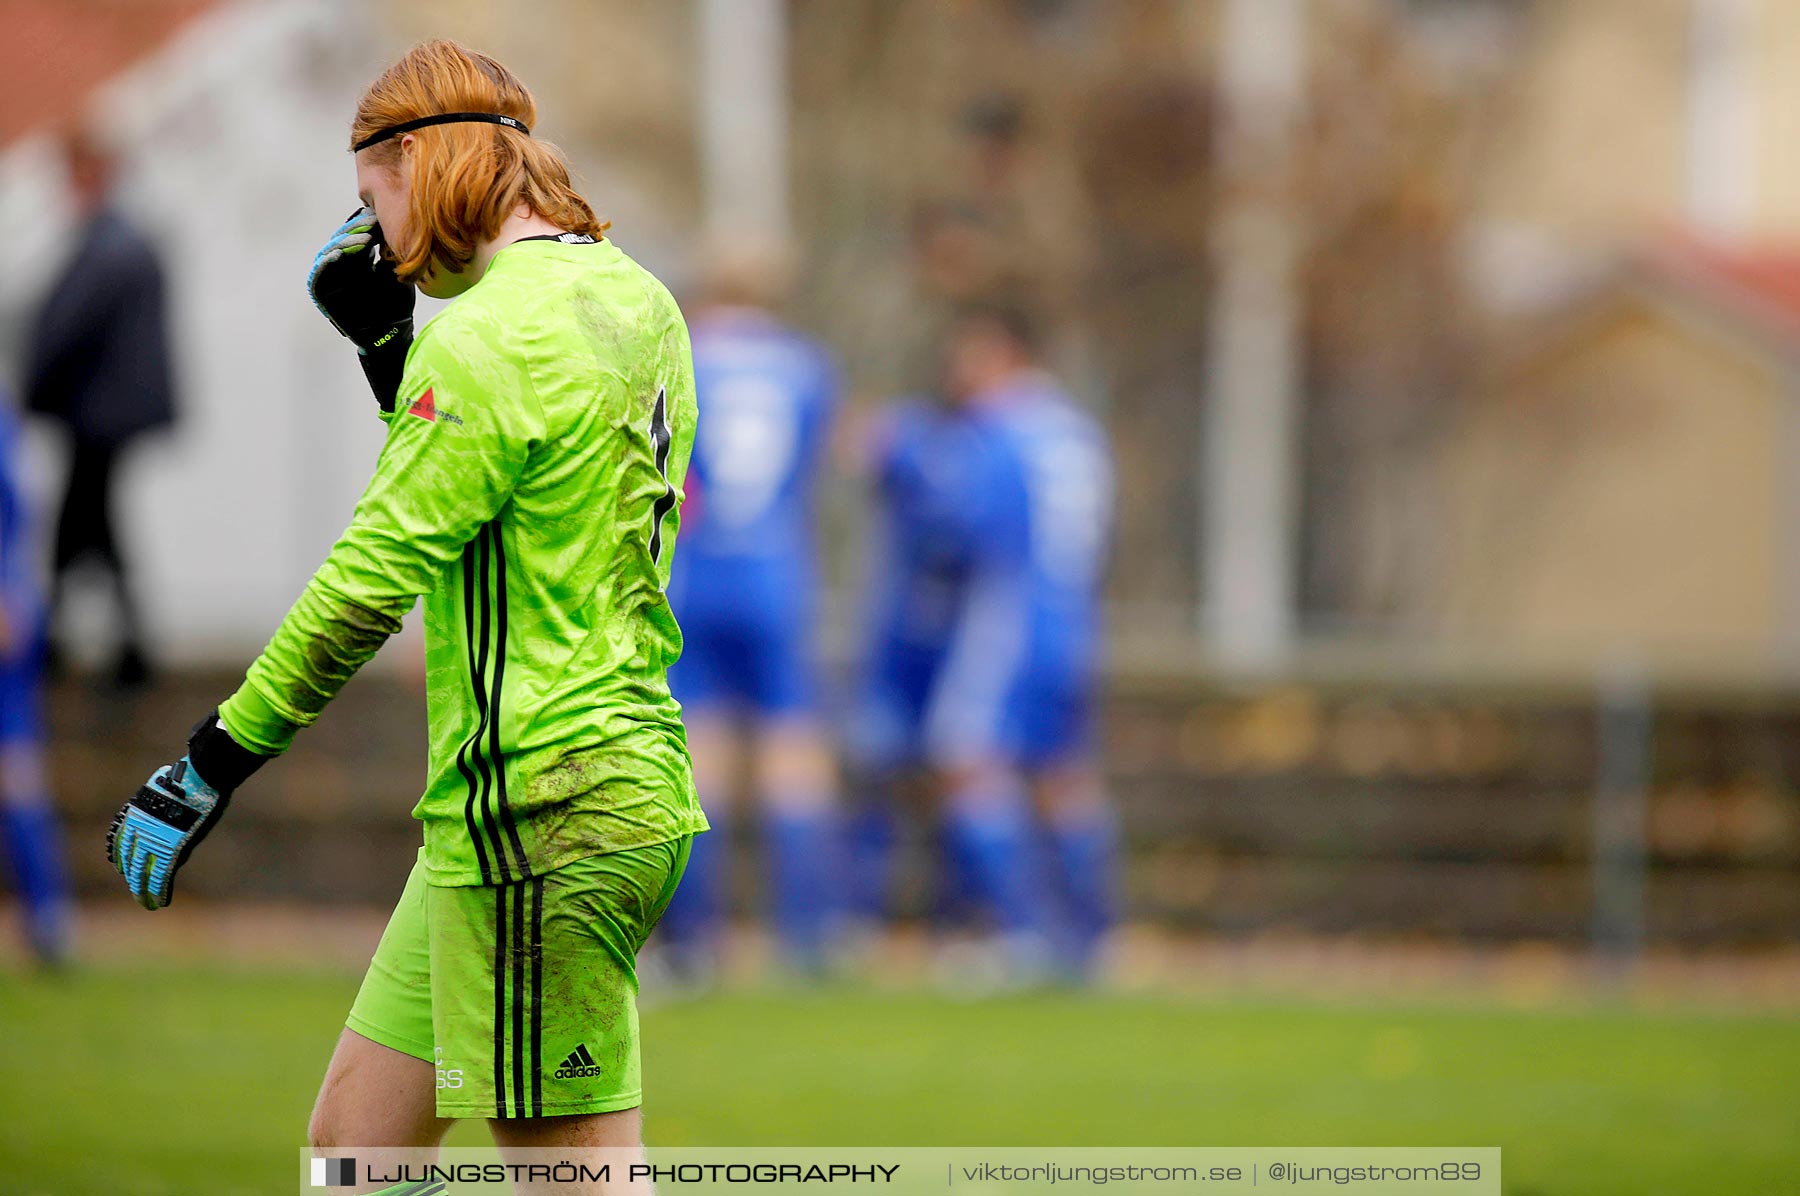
<point>85,533</point>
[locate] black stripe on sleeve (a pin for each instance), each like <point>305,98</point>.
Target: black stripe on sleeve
<point>660,440</point>
<point>462,753</point>
<point>495,759</point>
<point>484,765</point>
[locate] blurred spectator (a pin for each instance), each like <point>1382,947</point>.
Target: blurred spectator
<point>99,365</point>
<point>745,588</point>
<point>29,837</point>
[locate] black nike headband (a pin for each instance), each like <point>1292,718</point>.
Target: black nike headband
<point>442,118</point>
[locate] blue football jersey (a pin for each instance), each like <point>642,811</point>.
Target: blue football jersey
<point>987,598</point>
<point>1065,461</point>
<point>744,580</point>
<point>950,509</point>
<point>766,394</point>
<point>950,593</point>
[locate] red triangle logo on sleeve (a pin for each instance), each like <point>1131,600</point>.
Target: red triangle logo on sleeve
<point>425,407</point>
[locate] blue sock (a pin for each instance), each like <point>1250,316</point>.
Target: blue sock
<point>33,846</point>
<point>869,857</point>
<point>800,852</point>
<point>695,916</point>
<point>1085,850</point>
<point>954,903</point>
<point>989,849</point>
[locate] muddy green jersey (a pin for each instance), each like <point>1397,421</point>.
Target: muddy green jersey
<point>530,489</point>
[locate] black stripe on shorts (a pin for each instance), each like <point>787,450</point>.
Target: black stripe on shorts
<point>537,996</point>
<point>519,994</point>
<point>500,977</point>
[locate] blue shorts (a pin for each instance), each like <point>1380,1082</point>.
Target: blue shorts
<point>1048,718</point>
<point>888,723</point>
<point>1050,715</point>
<point>762,666</point>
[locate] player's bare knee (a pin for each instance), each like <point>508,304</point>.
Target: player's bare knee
<point>23,781</point>
<point>374,1095</point>
<point>323,1124</point>
<point>796,771</point>
<point>977,785</point>
<point>713,747</point>
<point>1074,791</point>
<point>337,1125</point>
<point>333,1122</point>
<point>323,1131</point>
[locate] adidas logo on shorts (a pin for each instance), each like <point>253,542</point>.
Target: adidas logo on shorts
<point>578,1064</point>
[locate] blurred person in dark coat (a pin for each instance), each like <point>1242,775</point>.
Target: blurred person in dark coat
<point>99,365</point>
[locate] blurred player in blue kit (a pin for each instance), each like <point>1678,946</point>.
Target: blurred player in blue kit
<point>745,589</point>
<point>984,649</point>
<point>29,836</point>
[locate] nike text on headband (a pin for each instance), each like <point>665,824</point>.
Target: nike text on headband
<point>442,118</point>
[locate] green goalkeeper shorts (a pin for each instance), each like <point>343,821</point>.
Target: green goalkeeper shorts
<point>523,995</point>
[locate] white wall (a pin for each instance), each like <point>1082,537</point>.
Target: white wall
<point>236,166</point>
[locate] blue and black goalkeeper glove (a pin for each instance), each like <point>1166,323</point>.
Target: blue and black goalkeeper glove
<point>353,283</point>
<point>152,837</point>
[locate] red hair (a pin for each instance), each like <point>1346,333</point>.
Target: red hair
<point>467,178</point>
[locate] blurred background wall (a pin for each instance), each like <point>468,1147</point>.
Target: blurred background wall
<point>1447,346</point>
<point>1457,177</point>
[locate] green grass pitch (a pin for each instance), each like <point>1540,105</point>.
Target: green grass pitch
<point>166,1081</point>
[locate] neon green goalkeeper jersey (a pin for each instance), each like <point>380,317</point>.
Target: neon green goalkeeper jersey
<point>530,489</point>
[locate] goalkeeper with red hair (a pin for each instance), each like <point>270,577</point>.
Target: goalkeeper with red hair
<point>529,490</point>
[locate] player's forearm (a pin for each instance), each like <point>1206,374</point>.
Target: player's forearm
<point>321,644</point>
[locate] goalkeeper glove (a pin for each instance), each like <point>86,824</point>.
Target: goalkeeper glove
<point>152,837</point>
<point>355,287</point>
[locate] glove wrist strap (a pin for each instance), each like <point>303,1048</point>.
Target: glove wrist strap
<point>221,761</point>
<point>384,364</point>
